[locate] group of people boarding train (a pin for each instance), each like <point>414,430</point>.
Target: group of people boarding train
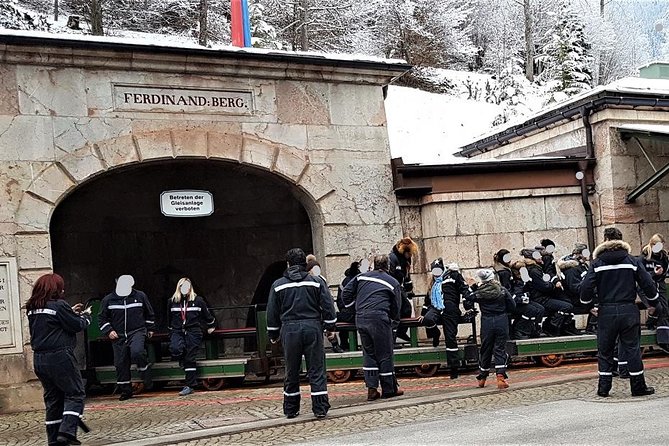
<point>538,293</point>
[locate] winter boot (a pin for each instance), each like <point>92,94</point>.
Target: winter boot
<point>604,386</point>
<point>591,327</point>
<point>373,394</point>
<point>639,387</point>
<point>501,382</point>
<point>522,328</point>
<point>569,327</point>
<point>480,378</point>
<point>454,371</point>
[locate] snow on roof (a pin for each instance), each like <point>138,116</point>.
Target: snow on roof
<point>624,85</point>
<point>177,42</point>
<point>650,128</point>
<point>654,62</point>
<point>429,127</point>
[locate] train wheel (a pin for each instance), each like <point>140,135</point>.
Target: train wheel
<point>551,360</point>
<point>213,383</point>
<point>339,376</point>
<point>137,388</point>
<point>426,370</point>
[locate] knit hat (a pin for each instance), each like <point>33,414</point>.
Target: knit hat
<point>485,275</point>
<point>527,253</point>
<point>437,267</point>
<point>579,248</point>
<point>353,270</point>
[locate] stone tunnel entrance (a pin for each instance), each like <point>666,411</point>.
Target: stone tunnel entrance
<point>113,225</point>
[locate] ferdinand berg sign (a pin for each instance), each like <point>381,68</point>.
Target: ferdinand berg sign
<point>140,98</point>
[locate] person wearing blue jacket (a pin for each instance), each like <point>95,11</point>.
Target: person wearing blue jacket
<point>53,336</point>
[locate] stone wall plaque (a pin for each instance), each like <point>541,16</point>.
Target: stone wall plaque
<point>11,339</point>
<point>154,99</point>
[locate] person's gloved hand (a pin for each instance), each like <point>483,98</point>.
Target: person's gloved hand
<point>210,330</point>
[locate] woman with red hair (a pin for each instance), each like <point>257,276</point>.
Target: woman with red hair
<point>53,329</point>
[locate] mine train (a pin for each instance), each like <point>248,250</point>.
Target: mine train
<point>255,358</point>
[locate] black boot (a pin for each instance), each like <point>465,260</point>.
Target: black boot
<point>639,387</point>
<point>435,334</point>
<point>569,327</point>
<point>455,371</point>
<point>591,327</point>
<point>522,328</point>
<point>604,386</point>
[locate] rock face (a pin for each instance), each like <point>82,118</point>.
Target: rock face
<point>294,153</point>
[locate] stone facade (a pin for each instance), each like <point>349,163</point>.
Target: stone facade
<point>319,128</point>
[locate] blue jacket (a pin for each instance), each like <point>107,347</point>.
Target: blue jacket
<point>126,315</point>
<point>374,292</point>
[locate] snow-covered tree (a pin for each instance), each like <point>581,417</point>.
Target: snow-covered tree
<point>565,57</point>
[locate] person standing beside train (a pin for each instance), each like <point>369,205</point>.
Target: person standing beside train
<point>314,268</point>
<point>612,282</point>
<point>53,335</point>
<point>188,313</point>
<point>400,259</point>
<point>656,261</point>
<point>377,299</point>
<point>126,317</point>
<point>495,302</point>
<point>299,307</point>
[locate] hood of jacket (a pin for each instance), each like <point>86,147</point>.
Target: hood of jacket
<point>296,273</point>
<point>527,263</point>
<point>489,290</point>
<point>612,251</point>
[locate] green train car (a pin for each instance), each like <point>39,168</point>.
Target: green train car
<point>253,356</point>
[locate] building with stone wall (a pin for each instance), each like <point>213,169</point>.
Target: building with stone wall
<point>263,152</point>
<point>520,183</point>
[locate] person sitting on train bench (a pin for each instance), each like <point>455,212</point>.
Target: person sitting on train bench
<point>502,266</point>
<point>528,315</point>
<point>399,266</point>
<point>431,314</point>
<point>53,336</point>
<point>656,262</point>
<point>299,307</point>
<point>495,302</point>
<point>188,313</point>
<point>314,268</point>
<point>546,248</point>
<point>612,281</point>
<point>571,269</point>
<point>376,296</point>
<point>346,314</point>
<point>544,290</point>
<point>126,317</point>
<point>453,287</point>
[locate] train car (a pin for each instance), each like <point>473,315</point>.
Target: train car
<point>254,357</point>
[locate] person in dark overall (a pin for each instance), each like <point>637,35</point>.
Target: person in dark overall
<point>546,248</point>
<point>346,314</point>
<point>126,317</point>
<point>376,296</point>
<point>453,288</point>
<point>571,270</point>
<point>188,314</point>
<point>399,267</point>
<point>528,314</point>
<point>612,281</point>
<point>314,268</point>
<point>656,262</point>
<point>299,307</point>
<point>53,336</point>
<point>495,302</point>
<point>434,303</point>
<point>544,290</point>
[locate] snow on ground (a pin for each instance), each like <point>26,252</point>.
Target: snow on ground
<point>427,128</point>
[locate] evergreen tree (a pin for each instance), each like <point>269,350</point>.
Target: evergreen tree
<point>565,57</point>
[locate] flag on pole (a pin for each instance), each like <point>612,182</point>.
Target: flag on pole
<point>240,22</point>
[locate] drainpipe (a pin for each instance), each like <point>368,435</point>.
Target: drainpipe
<point>580,175</point>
